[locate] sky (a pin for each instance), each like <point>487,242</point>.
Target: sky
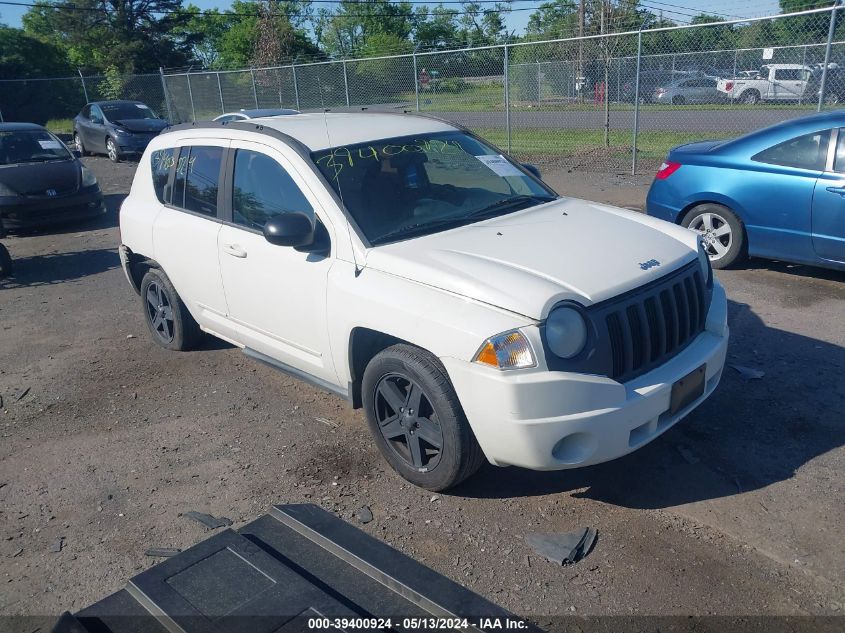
<point>678,10</point>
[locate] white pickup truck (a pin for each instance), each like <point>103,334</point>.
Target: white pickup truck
<point>774,82</point>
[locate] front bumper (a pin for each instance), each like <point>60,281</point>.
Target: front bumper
<point>134,144</point>
<point>547,420</point>
<point>31,212</point>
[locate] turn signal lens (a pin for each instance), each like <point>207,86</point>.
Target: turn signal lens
<point>509,350</point>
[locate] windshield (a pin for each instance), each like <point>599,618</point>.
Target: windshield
<point>403,187</point>
<point>127,111</point>
<point>31,146</point>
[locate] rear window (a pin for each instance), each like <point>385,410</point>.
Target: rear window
<point>162,162</point>
<point>808,151</point>
<point>196,181</point>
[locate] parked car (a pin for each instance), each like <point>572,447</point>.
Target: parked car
<point>834,92</point>
<point>243,114</point>
<point>650,80</point>
<point>775,82</point>
<point>688,90</point>
<point>116,128</point>
<point>414,269</point>
<point>41,181</point>
<point>777,193</point>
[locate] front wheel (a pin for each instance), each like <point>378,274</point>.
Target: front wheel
<point>77,140</point>
<point>750,97</point>
<point>721,233</point>
<point>5,262</point>
<point>112,151</point>
<point>167,317</point>
<point>416,418</point>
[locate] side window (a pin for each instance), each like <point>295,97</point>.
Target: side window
<point>161,162</point>
<point>839,159</point>
<point>788,74</point>
<point>261,189</point>
<point>228,117</point>
<point>197,177</point>
<point>805,152</point>
<point>96,114</point>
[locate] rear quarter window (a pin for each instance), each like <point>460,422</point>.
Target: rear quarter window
<point>805,152</point>
<point>162,162</point>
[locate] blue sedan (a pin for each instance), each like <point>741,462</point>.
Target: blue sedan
<point>777,193</point>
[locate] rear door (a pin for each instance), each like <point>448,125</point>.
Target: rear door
<point>828,214</point>
<point>185,230</point>
<point>276,295</point>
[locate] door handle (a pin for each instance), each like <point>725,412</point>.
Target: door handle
<point>234,250</point>
<point>839,190</point>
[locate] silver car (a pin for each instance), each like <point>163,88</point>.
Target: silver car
<point>701,89</point>
<point>244,114</point>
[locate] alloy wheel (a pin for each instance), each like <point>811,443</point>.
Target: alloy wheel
<point>160,312</point>
<point>112,150</point>
<point>408,422</point>
<point>716,234</point>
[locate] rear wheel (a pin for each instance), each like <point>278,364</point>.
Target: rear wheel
<point>831,98</point>
<point>5,262</point>
<point>721,233</point>
<point>750,97</point>
<point>77,140</point>
<point>169,321</point>
<point>416,418</point>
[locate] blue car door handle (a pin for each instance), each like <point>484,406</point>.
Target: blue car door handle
<point>839,190</point>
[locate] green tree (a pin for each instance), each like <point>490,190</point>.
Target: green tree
<point>345,31</point>
<point>131,35</point>
<point>553,19</point>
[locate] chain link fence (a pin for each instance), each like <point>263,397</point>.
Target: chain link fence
<point>614,102</point>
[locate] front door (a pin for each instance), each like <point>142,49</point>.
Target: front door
<point>94,136</point>
<point>828,215</point>
<point>276,295</point>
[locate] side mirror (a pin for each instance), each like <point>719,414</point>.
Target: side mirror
<point>76,153</point>
<point>533,169</point>
<point>289,229</point>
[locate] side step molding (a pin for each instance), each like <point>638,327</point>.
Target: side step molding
<point>297,373</point>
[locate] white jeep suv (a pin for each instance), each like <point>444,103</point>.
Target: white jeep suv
<point>410,267</point>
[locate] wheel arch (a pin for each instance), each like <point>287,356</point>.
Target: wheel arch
<point>137,266</point>
<point>729,205</point>
<point>364,344</point>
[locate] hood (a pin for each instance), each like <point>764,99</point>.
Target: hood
<point>526,262</point>
<point>34,179</point>
<point>142,125</point>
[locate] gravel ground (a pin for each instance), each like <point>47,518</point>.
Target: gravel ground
<point>108,439</point>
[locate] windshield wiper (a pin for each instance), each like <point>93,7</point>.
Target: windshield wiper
<point>505,204</point>
<point>421,227</point>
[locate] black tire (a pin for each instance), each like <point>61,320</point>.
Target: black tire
<point>167,317</point>
<point>402,367</point>
<point>77,140</point>
<point>831,98</point>
<point>750,97</point>
<point>112,150</point>
<point>6,267</point>
<point>725,246</point>
<point>678,100</point>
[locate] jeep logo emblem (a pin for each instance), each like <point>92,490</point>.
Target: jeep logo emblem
<point>649,264</point>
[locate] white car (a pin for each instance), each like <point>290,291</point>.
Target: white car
<point>415,270</point>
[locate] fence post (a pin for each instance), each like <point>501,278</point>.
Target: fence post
<point>507,101</point>
<point>166,94</point>
<point>803,63</point>
<point>254,91</point>
<point>416,82</point>
<point>539,84</point>
<point>84,89</point>
<point>295,87</point>
<point>220,90</point>
<point>191,97</point>
<point>346,83</point>
<point>830,30</point>
<point>636,104</point>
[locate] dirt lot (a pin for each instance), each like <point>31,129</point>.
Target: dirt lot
<point>107,439</point>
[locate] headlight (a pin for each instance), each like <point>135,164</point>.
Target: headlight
<point>566,332</point>
<point>509,350</point>
<point>88,177</point>
<point>121,132</point>
<point>6,190</point>
<point>704,263</point>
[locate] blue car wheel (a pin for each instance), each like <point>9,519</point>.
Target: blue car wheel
<point>721,233</point>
